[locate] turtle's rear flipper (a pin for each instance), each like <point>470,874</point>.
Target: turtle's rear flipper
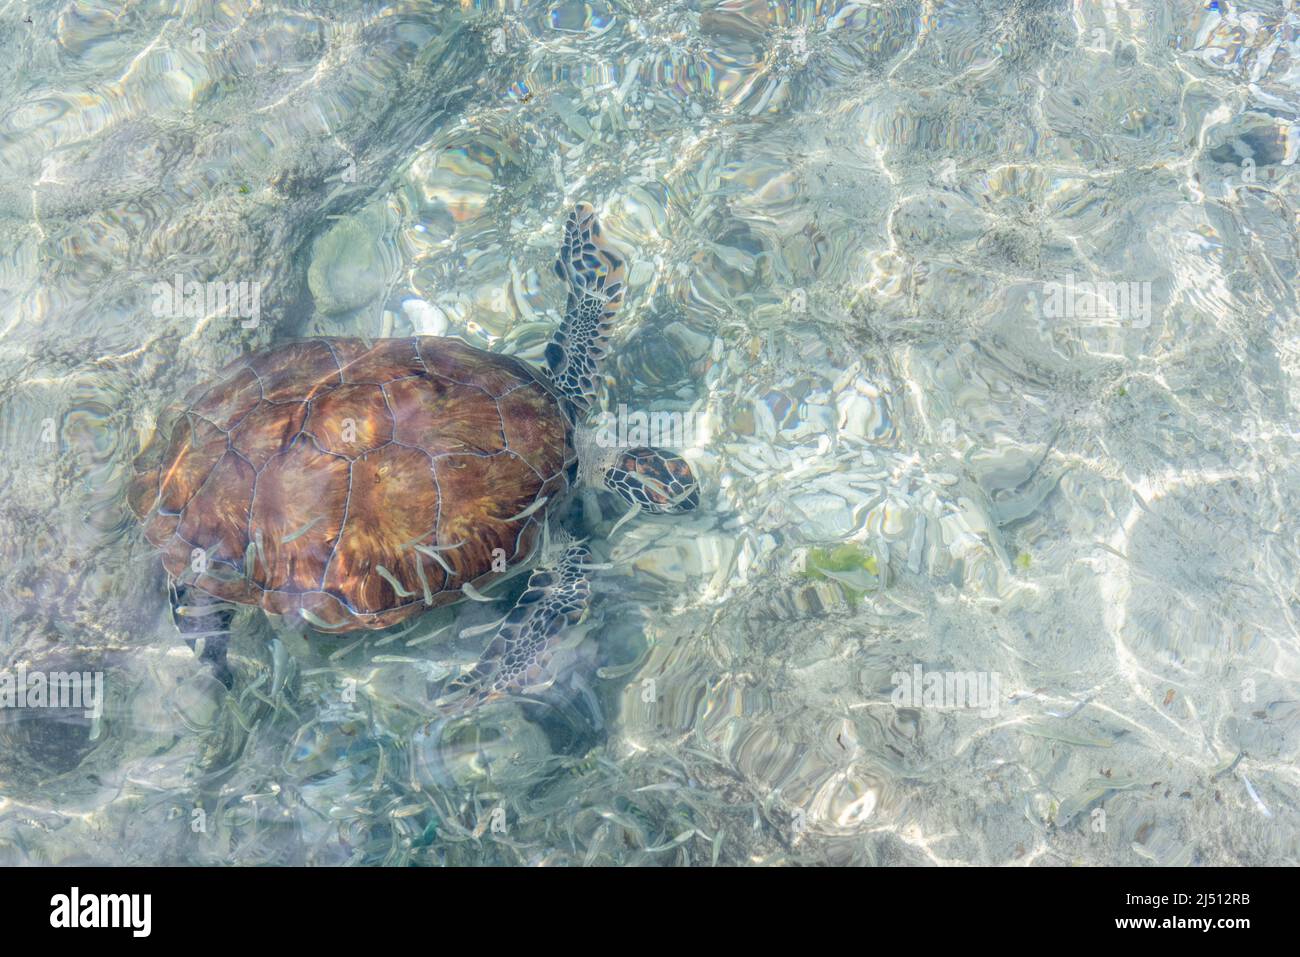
<point>205,621</point>
<point>519,656</point>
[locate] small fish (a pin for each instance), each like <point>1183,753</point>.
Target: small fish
<point>622,820</point>
<point>481,629</point>
<point>252,689</point>
<point>342,651</point>
<point>679,840</point>
<point>199,611</point>
<point>631,514</point>
<point>424,582</point>
<point>1072,712</point>
<point>314,619</point>
<point>1230,767</point>
<point>435,548</point>
<point>530,509</point>
<point>680,497</point>
<point>433,553</point>
<point>392,638</point>
<point>1067,738</point>
<point>619,671</point>
<point>473,593</point>
<point>429,637</point>
<point>388,576</point>
<point>1250,789</point>
<point>239,715</point>
<point>294,536</point>
<point>858,578</point>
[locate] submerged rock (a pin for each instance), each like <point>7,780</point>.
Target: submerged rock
<point>347,268</point>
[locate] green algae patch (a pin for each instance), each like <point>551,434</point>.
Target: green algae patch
<point>851,566</point>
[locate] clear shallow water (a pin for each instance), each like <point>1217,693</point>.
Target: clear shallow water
<point>858,233</point>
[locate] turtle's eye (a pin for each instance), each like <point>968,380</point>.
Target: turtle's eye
<point>656,480</point>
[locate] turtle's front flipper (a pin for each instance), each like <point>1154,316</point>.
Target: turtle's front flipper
<point>206,623</point>
<point>518,658</point>
<point>595,273</point>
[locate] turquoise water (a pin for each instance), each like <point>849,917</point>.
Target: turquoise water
<point>866,243</point>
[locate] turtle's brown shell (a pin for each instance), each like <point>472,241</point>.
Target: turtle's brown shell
<point>333,458</point>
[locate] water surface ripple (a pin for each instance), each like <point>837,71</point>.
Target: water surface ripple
<point>866,238</point>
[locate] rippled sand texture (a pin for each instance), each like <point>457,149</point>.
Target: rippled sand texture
<point>846,220</point>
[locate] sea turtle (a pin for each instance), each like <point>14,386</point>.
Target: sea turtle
<point>355,484</point>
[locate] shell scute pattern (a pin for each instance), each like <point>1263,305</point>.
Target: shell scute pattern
<point>457,362</point>
<point>399,485</point>
<point>351,421</point>
<point>227,406</point>
<point>280,509</point>
<point>384,361</point>
<point>296,370</point>
<point>416,403</point>
<point>268,429</point>
<point>308,473</point>
<point>196,447</point>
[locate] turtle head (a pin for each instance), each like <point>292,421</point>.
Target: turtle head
<point>657,480</point>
